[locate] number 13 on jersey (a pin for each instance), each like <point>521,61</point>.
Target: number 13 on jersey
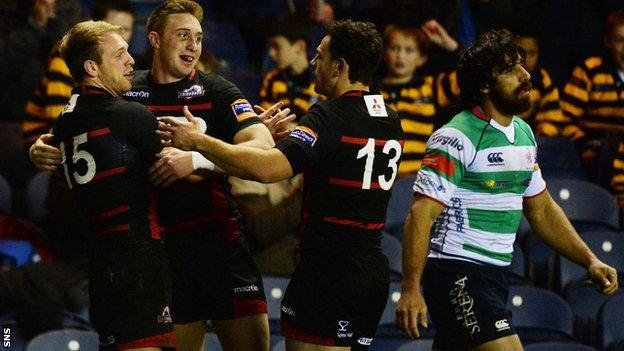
<point>369,151</point>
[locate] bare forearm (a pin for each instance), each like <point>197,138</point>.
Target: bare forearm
<point>415,249</point>
<point>553,227</point>
<point>237,160</point>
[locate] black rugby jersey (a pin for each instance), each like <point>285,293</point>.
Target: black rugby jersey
<point>349,150</point>
<point>106,144</point>
<point>225,111</point>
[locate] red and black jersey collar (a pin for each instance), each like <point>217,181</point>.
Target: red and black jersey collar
<point>90,90</point>
<point>478,112</point>
<point>357,93</point>
<point>191,75</point>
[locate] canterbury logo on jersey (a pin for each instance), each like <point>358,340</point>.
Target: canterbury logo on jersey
<point>495,157</point>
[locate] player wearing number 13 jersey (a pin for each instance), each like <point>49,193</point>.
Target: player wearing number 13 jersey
<point>348,149</point>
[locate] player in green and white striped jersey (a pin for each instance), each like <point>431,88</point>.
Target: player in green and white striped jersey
<point>478,176</point>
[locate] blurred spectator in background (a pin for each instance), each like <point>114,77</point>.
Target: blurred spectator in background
<point>38,294</point>
<point>29,30</point>
<point>28,47</point>
<point>207,62</point>
<point>291,81</point>
<point>408,92</point>
<point>593,98</point>
<point>544,116</point>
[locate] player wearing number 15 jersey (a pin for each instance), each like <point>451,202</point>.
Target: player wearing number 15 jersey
<point>107,144</point>
<point>348,149</point>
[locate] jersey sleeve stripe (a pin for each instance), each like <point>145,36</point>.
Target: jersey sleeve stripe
<point>352,183</point>
<point>118,228</point>
<point>108,214</point>
<point>191,107</point>
<point>351,223</point>
<point>108,173</point>
<point>363,141</point>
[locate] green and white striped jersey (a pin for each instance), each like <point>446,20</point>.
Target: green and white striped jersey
<point>480,171</point>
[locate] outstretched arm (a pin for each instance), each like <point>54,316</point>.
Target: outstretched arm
<point>553,227</point>
<point>238,160</point>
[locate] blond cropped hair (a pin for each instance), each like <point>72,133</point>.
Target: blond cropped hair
<point>81,44</point>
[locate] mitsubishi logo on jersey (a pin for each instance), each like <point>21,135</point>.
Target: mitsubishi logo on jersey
<point>495,158</point>
<point>376,105</point>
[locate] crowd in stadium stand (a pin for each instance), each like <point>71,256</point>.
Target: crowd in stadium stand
<point>574,54</point>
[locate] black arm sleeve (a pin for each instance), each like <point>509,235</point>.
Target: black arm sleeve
<point>140,125</point>
<point>310,140</point>
<point>230,107</point>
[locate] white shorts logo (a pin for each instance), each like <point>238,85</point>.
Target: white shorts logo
<point>501,325</point>
<point>365,341</point>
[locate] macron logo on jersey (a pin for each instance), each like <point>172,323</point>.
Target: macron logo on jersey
<point>135,94</point>
<point>305,134</point>
<point>375,105</point>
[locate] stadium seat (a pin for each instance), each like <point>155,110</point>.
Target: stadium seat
<point>279,346</point>
<point>558,346</point>
<point>225,41</point>
<point>399,206</point>
<point>517,268</point>
<point>17,342</point>
<point>274,288</point>
<point>588,206</point>
<point>211,342</point>
<point>612,322</point>
<point>559,159</point>
<point>528,305</point>
<point>275,339</point>
<point>541,261</point>
<point>608,247</point>
<point>585,303</point>
<point>387,328</point>
<point>17,253</point>
<point>391,247</point>
<point>416,345</point>
<point>36,196</point>
<point>65,339</point>
<point>248,83</point>
<point>6,199</point>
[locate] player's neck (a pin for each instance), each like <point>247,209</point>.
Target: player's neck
<point>98,83</point>
<point>160,74</point>
<point>346,86</point>
<point>494,113</point>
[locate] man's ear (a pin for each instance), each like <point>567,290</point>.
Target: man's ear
<point>341,66</point>
<point>154,39</point>
<point>91,68</point>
